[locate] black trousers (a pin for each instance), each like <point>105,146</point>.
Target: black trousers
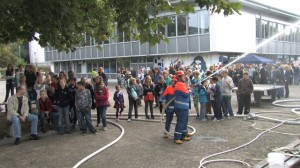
<point>133,104</point>
<point>244,103</point>
<point>286,88</point>
<point>9,88</point>
<point>216,105</point>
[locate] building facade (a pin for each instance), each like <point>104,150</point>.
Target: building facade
<point>199,37</point>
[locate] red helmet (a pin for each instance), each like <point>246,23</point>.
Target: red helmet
<point>179,73</point>
<point>174,78</point>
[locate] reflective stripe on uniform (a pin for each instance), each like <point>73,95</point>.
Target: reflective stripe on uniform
<point>177,132</point>
<point>183,103</point>
<point>171,107</point>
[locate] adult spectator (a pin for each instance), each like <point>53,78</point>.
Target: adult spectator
<point>132,98</point>
<point>178,65</point>
<point>19,74</point>
<point>264,77</point>
<point>287,74</point>
<point>133,72</point>
<point>296,74</point>
<point>245,89</point>
<point>279,80</point>
<point>71,75</point>
<point>62,101</point>
<point>94,73</point>
<point>226,87</point>
<point>18,111</point>
<point>103,75</point>
<point>31,77</point>
<point>50,73</point>
<point>62,74</point>
<point>39,85</point>
<point>9,81</point>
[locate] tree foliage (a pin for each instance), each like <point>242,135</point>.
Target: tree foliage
<point>9,55</point>
<point>62,23</point>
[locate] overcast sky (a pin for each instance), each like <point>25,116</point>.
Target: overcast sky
<point>287,5</point>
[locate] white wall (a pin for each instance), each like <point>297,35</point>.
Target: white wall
<point>235,33</point>
<point>36,52</point>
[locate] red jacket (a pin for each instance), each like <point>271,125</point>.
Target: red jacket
<point>48,105</point>
<point>101,98</point>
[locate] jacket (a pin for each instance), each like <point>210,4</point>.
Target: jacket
<point>182,96</point>
<point>167,96</point>
<point>227,85</point>
<point>101,97</point>
<point>48,105</point>
<point>245,86</point>
<point>129,91</point>
<point>147,89</point>
<point>83,99</point>
<point>202,94</point>
<point>62,96</point>
<point>12,107</point>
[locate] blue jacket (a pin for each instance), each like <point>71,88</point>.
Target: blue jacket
<point>202,94</point>
<point>167,96</point>
<point>182,96</point>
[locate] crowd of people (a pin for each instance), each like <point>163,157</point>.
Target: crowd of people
<point>63,102</point>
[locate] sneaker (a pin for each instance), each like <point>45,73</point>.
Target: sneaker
<point>186,138</point>
<point>231,117</point>
<point>204,120</point>
<point>129,120</point>
<point>152,117</point>
<point>216,120</point>
<point>44,130</point>
<point>104,128</point>
<point>147,117</point>
<point>34,137</point>
<point>189,135</point>
<point>117,120</point>
<point>94,132</point>
<point>17,141</point>
<point>238,114</point>
<point>178,142</point>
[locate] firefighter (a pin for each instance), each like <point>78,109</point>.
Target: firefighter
<point>181,105</point>
<point>168,96</point>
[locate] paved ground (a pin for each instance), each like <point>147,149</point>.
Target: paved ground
<point>144,146</point>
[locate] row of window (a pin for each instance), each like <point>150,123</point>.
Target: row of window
<point>109,65</point>
<point>180,25</point>
<point>266,29</point>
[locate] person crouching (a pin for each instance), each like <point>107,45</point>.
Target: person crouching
<point>83,103</point>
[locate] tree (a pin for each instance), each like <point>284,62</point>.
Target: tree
<point>8,55</point>
<point>62,23</point>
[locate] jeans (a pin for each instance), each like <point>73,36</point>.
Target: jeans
<point>132,103</point>
<point>286,89</point>
<point>169,118</point>
<point>226,104</point>
<point>64,119</point>
<point>150,104</point>
<point>101,112</point>
<point>9,87</point>
<point>42,117</point>
<point>85,119</point>
<point>181,115</point>
<point>203,114</point>
<point>296,79</point>
<point>17,125</point>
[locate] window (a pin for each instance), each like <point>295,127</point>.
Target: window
<point>161,29</point>
<point>265,29</point>
<point>106,66</point>
<point>293,34</point>
<point>113,66</point>
<point>78,67</point>
<point>280,28</point>
<point>56,67</point>
<point>193,23</point>
<point>204,22</point>
<point>171,29</point>
<point>181,25</point>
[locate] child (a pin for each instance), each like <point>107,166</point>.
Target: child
<point>139,91</point>
<point>215,97</point>
<point>148,89</point>
<point>45,107</point>
<point>72,89</point>
<point>83,103</point>
<point>195,90</point>
<point>119,102</point>
<point>159,90</point>
<point>132,98</point>
<point>203,100</point>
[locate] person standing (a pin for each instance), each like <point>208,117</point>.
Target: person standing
<point>245,89</point>
<point>18,111</point>
<point>83,103</point>
<point>263,74</point>
<point>215,97</point>
<point>119,102</point>
<point>148,90</point>
<point>103,75</point>
<point>101,97</point>
<point>132,98</point>
<point>195,90</point>
<point>168,95</point>
<point>287,74</point>
<point>62,101</point>
<point>181,105</point>
<point>227,85</point>
<point>9,81</point>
